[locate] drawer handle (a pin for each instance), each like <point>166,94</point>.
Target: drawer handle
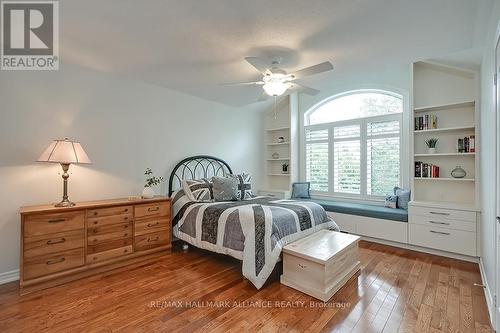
<point>153,210</point>
<point>51,242</point>
<point>56,261</point>
<point>440,232</point>
<point>125,226</point>
<point>442,223</point>
<point>126,210</point>
<point>125,251</point>
<point>157,238</point>
<point>439,213</point>
<point>125,218</point>
<point>95,231</point>
<point>57,221</point>
<point>302,266</point>
<point>95,222</point>
<point>95,213</point>
<point>125,234</point>
<point>153,224</point>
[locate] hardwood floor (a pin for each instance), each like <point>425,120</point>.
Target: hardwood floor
<point>397,291</point>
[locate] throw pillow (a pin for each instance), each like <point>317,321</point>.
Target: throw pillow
<point>198,190</point>
<point>391,201</point>
<point>403,197</point>
<point>301,190</point>
<point>225,188</point>
<point>244,186</point>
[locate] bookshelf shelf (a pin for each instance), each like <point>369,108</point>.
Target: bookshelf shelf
<point>445,179</point>
<point>278,144</point>
<point>278,159</point>
<point>449,106</point>
<point>277,129</point>
<point>446,129</point>
<point>279,174</point>
<point>445,155</point>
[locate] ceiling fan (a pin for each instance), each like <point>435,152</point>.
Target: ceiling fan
<point>276,81</point>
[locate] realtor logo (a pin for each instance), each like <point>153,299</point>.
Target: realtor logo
<point>29,35</point>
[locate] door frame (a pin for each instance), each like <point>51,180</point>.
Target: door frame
<point>496,315</point>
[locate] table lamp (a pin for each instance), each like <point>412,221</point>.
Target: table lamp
<point>65,152</point>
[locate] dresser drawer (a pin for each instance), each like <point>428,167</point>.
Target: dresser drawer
<point>43,245</point>
<point>53,263</point>
<point>91,239</point>
<point>443,213</point>
<point>148,241</point>
<point>95,231</point>
<point>101,247</point>
<point>150,210</point>
<point>151,225</point>
<point>44,224</point>
<point>110,254</point>
<point>457,241</point>
<point>107,220</point>
<point>440,222</point>
<point>118,210</point>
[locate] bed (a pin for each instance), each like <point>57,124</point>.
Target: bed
<point>253,230</point>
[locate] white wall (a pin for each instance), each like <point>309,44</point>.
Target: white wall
<point>488,152</point>
<point>125,126</point>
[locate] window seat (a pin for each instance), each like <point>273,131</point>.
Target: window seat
<point>367,210</point>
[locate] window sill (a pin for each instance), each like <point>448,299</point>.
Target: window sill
<point>372,201</point>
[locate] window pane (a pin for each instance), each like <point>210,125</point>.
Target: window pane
<point>317,166</point>
<point>354,106</point>
<point>316,134</point>
<point>347,167</point>
<point>383,165</point>
<point>383,127</point>
<point>351,131</point>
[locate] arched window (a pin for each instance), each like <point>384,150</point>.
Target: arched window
<point>352,143</point>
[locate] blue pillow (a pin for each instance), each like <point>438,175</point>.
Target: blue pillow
<point>301,190</point>
<point>403,197</point>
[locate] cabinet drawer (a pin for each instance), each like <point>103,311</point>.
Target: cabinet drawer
<point>150,210</point>
<point>44,224</point>
<point>151,225</point>
<point>108,220</point>
<point>443,213</point>
<point>148,241</point>
<point>118,210</point>
<point>443,223</point>
<point>110,254</point>
<point>43,245</point>
<point>91,239</point>
<point>95,231</point>
<point>53,263</point>
<point>101,247</point>
<point>457,241</point>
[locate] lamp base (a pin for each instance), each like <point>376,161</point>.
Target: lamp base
<point>65,203</point>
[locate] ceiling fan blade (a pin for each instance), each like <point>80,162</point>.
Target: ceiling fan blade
<point>316,69</point>
<point>304,89</point>
<point>260,64</point>
<point>256,83</point>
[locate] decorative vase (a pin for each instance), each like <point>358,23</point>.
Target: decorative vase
<point>432,150</point>
<point>284,169</point>
<point>275,156</point>
<point>281,139</point>
<point>458,172</point>
<point>148,193</point>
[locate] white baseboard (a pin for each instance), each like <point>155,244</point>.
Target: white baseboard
<point>488,295</point>
<point>9,276</point>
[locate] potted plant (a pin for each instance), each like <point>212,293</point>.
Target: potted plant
<point>284,168</point>
<point>431,145</point>
<point>151,181</point>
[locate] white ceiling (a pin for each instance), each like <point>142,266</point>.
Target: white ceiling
<point>193,46</point>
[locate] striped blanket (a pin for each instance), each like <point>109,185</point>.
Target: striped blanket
<point>253,230</point>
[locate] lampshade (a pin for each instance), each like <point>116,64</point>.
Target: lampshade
<point>65,152</point>
<point>275,88</point>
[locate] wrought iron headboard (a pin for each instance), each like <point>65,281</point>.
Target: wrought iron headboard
<point>197,167</point>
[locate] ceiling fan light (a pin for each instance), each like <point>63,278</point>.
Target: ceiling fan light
<point>275,88</point>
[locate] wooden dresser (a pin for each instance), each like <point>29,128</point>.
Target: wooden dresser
<point>64,244</point>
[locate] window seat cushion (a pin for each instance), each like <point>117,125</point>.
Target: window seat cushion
<point>379,212</point>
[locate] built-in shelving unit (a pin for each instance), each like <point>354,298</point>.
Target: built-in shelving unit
<point>281,120</point>
<point>449,94</point>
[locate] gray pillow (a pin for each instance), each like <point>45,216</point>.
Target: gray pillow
<point>403,197</point>
<point>225,188</point>
<point>301,190</point>
<point>391,201</point>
